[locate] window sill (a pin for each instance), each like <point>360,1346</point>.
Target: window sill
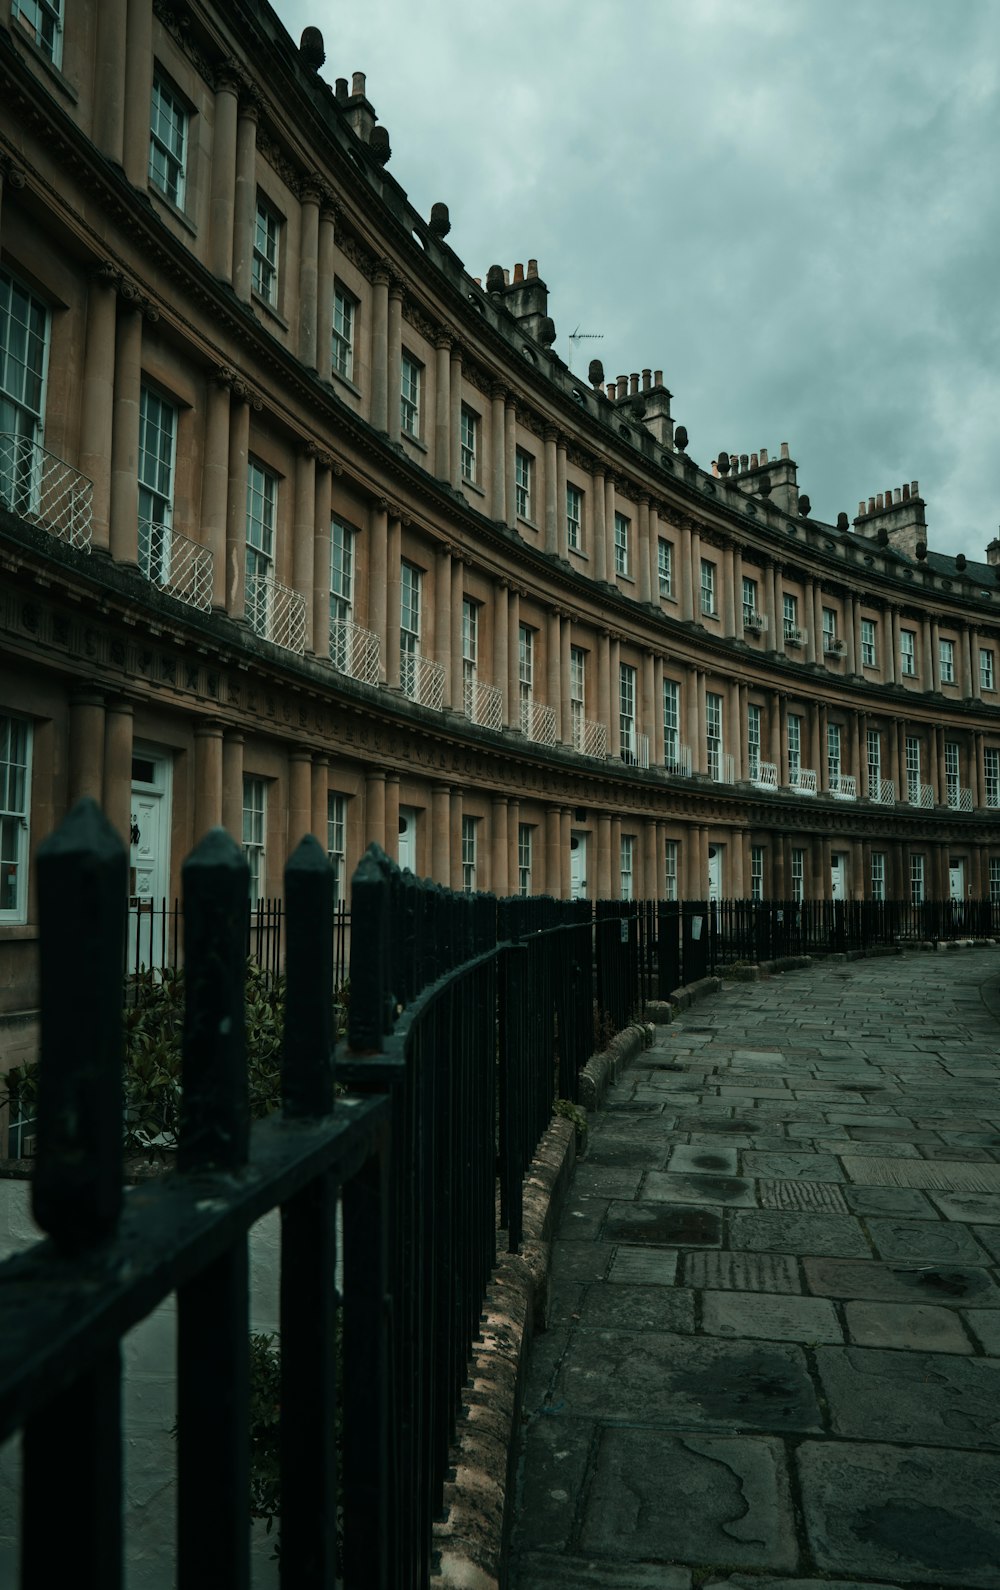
<point>170,209</point>
<point>13,931</point>
<point>24,41</point>
<point>578,552</point>
<point>473,485</point>
<point>528,523</point>
<point>414,441</point>
<point>268,309</point>
<point>344,380</point>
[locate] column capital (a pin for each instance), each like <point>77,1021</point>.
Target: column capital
<point>131,295</point>
<point>230,76</point>
<point>11,172</point>
<point>383,273</point>
<point>310,188</point>
<point>443,338</point>
<point>498,392</point>
<point>550,433</point>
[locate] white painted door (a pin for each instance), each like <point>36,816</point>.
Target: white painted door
<point>715,871</point>
<point>956,879</point>
<point>838,876</point>
<point>407,838</point>
<point>578,867</point>
<point>151,925</point>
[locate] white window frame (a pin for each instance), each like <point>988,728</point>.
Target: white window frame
<point>266,252</point>
<point>991,775</point>
<point>410,583</point>
<point>156,468</point>
<point>756,872</point>
<point>878,875</point>
<point>622,523</point>
<point>987,671</point>
<point>794,737</point>
<point>908,653</point>
<point>952,771</point>
<point>916,878</point>
<point>525,674</point>
<point>790,615</point>
<point>469,443</point>
<point>671,723</point>
<point>912,769</point>
<point>524,469</point>
<point>15,816</point>
<point>869,654</point>
<point>994,880</point>
<point>708,606</point>
<point>470,827</point>
<point>754,723</point>
<point>169,127</point>
<point>713,734</point>
<point>665,566</point>
<point>829,626</point>
<point>834,753</point>
<point>626,853</point>
<point>470,652</point>
<point>574,517</point>
<point>873,750</point>
<point>342,541</point>
<point>751,592</point>
<point>626,713</point>
<point>524,849</point>
<point>343,332</point>
<point>411,380</point>
<point>42,21</point>
<point>578,692</point>
<point>255,834</point>
<point>261,523</point>
<point>670,858</point>
<point>798,875</point>
<point>946,659</point>
<point>336,842</point>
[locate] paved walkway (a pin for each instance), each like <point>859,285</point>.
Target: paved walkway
<point>775,1350</point>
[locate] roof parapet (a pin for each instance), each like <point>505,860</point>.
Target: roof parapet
<point>896,518</point>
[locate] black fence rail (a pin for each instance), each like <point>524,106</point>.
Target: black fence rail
<point>154,937</point>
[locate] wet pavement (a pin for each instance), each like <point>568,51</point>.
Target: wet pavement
<point>774,1352</point>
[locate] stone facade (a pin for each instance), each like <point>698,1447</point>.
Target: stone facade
<point>303,528</point>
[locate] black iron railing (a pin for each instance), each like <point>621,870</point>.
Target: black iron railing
<point>154,937</point>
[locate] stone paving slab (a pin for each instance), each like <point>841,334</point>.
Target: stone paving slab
<point>955,1176</point>
<point>544,1571</point>
<point>812,1197</point>
<point>688,1383</point>
<point>674,1187</point>
<point>974,1208</point>
<point>985,1327</point>
<point>770,1316</point>
<point>744,1272</point>
<point>699,1161</point>
<point>664,1225</point>
<point>764,1231</point>
<point>737,1501</point>
<point>925,1240</point>
<point>932,1398</point>
<point>645,1266</point>
<point>903,1513</point>
<point>639,1308</point>
<point>818,1167</point>
<point>917,1327</point>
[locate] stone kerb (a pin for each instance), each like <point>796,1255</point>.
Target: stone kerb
<point>604,1068</point>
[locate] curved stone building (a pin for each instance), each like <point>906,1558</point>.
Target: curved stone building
<point>304,528</point>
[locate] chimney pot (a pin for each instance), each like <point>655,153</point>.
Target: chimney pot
<point>914,488</point>
<point>754,461</point>
<point>532,267</point>
<point>647,380</point>
<point>784,450</point>
<point>879,500</point>
<point>633,382</point>
<point>340,90</point>
<point>861,510</point>
<point>519,273</point>
<point>359,84</point>
<point>657,377</point>
<point>612,391</point>
<point>871,505</point>
<point>897,495</point>
<point>906,493</point>
<point>763,455</point>
<point>506,276</point>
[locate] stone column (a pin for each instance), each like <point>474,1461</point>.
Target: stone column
<point>614,679</point>
<point>215,482</point>
<point>321,560</point>
<point>441,833</point>
<point>501,845</point>
<point>86,746</point>
<point>696,613</point>
<point>455,881</point>
<point>897,770</point>
<point>442,406</point>
<point>498,466</point>
<point>565,841</point>
<point>891,649</point>
<point>658,748</point>
<point>975,690</point>
<point>566,675</point>
<point>606,713</point>
<point>549,452</point>
<point>859,751</point>
<point>309,197</point>
<point>562,542</point>
<point>449,608</point>
<point>299,797</point>
<point>380,352</point>
<point>616,859</point>
<point>851,633</point>
<point>207,777</point>
<point>783,761</point>
<point>775,727</point>
<point>324,286</point>
<point>98,399</point>
<point>553,659</point>
<point>687,575</point>
<point>976,777</point>
<point>109,103</point>
<point>702,745</point>
<point>223,193</point>
<point>117,797</point>
<point>647,720</point>
<point>513,827</point>
<point>815,747</point>
<point>738,846</point>
<point>692,702</point>
<point>509,454</point>
<point>378,581</point>
<point>374,807</point>
<point>738,591</point>
<point>599,548</point>
<point>501,672</point>
<point>138,87</point>
<point>320,797</point>
<point>236,517</point>
<point>603,858</point>
<point>393,592</point>
<point>514,657</point>
<point>124,529</point>
<point>652,882</point>
<point>736,729</point>
<point>455,433</point>
<point>457,666</point>
<point>729,594</point>
<point>609,538</point>
<point>245,201</point>
<point>304,534</point>
<point>937,780</point>
<point>642,550</point>
<point>778,879</point>
<point>963,671</point>
<point>932,671</point>
<point>392,816</point>
<point>553,834</point>
<point>232,784</point>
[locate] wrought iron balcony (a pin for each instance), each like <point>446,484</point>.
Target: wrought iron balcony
<point>422,679</point>
<point>919,794</point>
<point>843,787</point>
<point>635,748</point>
<point>482,703</point>
<point>721,767</point>
<point>795,636</point>
<point>176,564</point>
<point>959,799</point>
<point>833,646</point>
<point>802,780</point>
<point>677,761</point>
<point>45,490</point>
<point>276,613</point>
<point>765,776</point>
<point>354,651</point>
<point>753,622</point>
<point>538,722</point>
<point>590,738</point>
<point>882,791</point>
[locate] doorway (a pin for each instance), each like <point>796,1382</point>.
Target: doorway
<point>407,851</point>
<point>838,876</point>
<point>578,866</point>
<point>150,935</point>
<point>715,871</point>
<point>956,879</point>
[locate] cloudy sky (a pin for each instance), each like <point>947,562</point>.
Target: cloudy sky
<point>792,207</point>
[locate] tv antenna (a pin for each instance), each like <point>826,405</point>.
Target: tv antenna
<point>581,336</point>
